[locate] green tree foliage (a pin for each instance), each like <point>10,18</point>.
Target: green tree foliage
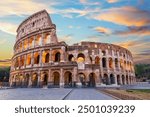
<point>140,70</point>
<point>4,74</point>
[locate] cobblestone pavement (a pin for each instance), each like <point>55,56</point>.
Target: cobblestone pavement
<point>87,94</point>
<point>52,94</point>
<point>33,94</point>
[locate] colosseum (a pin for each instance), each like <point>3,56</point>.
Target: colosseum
<point>41,60</point>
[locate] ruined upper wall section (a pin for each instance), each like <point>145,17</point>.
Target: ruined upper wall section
<point>35,22</point>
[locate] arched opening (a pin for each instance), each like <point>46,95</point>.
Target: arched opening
<point>44,79</point>
<point>82,79</point>
<point>103,53</point>
<point>56,78</point>
<point>47,58</point>
<point>68,79</point>
<point>110,63</point>
<point>92,77</point>
<point>112,79</point>
<point>116,63</point>
<point>36,58</point>
<point>17,79</point>
<point>123,79</point>
<point>106,80</point>
<point>57,57</point>
<point>26,82</point>
<point>97,60</point>
<point>127,79</point>
<point>71,57</point>
<point>118,80</point>
<point>104,62</point>
<point>22,61</point>
<point>34,80</point>
<point>28,61</point>
<point>47,39</point>
<point>81,58</point>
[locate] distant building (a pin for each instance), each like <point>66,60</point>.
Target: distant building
<point>41,60</point>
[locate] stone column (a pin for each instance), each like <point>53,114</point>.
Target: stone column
<point>50,55</point>
<point>30,80</point>
<point>32,59</point>
<point>34,41</point>
<point>39,76</point>
<point>62,54</point>
<point>40,63</point>
<point>74,75</point>
<point>61,78</point>
<point>25,61</point>
<point>50,80</point>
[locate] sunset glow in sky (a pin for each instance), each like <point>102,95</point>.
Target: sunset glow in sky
<point>122,22</point>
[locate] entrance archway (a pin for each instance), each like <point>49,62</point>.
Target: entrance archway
<point>68,79</point>
<point>57,57</point>
<point>56,78</point>
<point>118,80</point>
<point>123,79</point>
<point>106,80</point>
<point>82,79</point>
<point>92,77</point>
<point>34,80</point>
<point>26,82</point>
<point>112,79</point>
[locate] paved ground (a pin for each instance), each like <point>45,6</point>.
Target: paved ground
<point>33,94</point>
<point>87,94</point>
<point>52,94</point>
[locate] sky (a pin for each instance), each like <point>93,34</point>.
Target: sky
<point>122,22</point>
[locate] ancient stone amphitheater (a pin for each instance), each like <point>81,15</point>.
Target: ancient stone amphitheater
<point>40,60</point>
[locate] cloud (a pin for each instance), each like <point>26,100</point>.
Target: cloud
<point>139,48</point>
<point>127,15</point>
<point>112,1</point>
<point>3,41</point>
<point>140,31</point>
<point>67,38</point>
<point>102,30</point>
<point>87,2</point>
<point>8,27</point>
<point>24,7</point>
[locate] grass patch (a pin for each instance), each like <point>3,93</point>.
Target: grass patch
<point>139,90</point>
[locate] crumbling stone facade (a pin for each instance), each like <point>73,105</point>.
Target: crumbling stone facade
<point>40,60</point>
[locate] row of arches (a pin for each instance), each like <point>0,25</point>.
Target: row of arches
<point>90,80</point>
<point>97,60</point>
<point>45,58</point>
<point>33,41</point>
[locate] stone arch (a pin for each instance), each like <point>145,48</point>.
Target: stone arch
<point>81,57</point>
<point>123,79</point>
<point>116,63</point>
<point>38,40</point>
<point>44,79</point>
<point>36,58</point>
<point>26,82</point>
<point>47,38</point>
<point>103,53</point>
<point>71,57</point>
<point>56,78</point>
<point>68,79</point>
<point>92,80</point>
<point>118,80</point>
<point>110,62</point>
<point>28,61</point>
<point>57,57</point>
<point>121,64</point>
<point>104,62</point>
<point>45,57</point>
<point>17,80</point>
<point>112,79</point>
<point>82,78</point>
<point>105,79</point>
<point>34,80</point>
<point>127,79</point>
<point>97,60</point>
